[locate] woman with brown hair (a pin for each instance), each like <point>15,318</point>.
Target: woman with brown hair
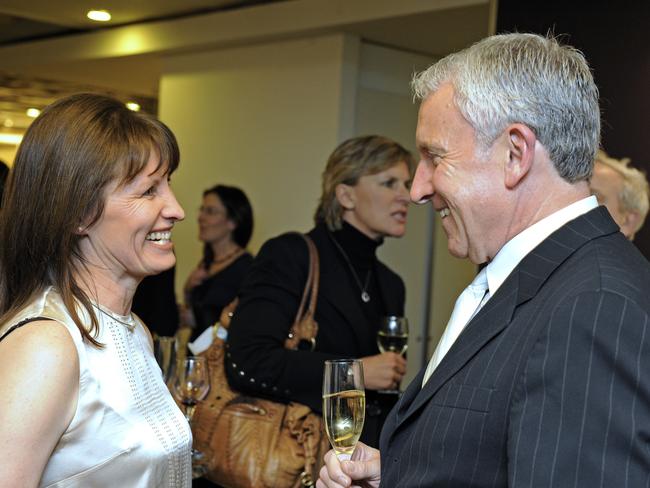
<point>225,227</point>
<point>88,213</point>
<point>364,199</point>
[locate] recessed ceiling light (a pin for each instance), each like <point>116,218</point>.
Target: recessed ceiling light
<point>33,112</point>
<point>99,15</point>
<point>133,106</point>
<point>8,123</point>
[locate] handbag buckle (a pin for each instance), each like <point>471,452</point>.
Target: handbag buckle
<point>305,479</point>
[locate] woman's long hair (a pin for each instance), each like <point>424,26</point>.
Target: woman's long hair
<point>68,157</point>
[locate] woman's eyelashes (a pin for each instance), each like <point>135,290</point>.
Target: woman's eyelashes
<point>149,192</point>
<point>395,183</point>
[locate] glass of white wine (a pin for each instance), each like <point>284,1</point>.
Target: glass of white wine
<point>191,385</point>
<point>393,336</point>
<point>344,404</point>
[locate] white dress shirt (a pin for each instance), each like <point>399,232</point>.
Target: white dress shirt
<point>508,257</point>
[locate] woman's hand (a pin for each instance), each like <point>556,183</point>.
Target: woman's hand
<point>383,371</point>
<point>363,469</point>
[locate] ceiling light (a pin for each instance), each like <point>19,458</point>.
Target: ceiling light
<point>13,139</point>
<point>133,106</point>
<point>33,112</point>
<point>99,15</point>
<point>8,123</point>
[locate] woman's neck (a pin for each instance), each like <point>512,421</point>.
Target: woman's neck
<point>111,293</point>
<point>359,248</point>
<point>223,249</point>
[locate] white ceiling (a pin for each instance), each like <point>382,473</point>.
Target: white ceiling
<point>431,27</point>
<point>22,21</point>
<point>66,14</point>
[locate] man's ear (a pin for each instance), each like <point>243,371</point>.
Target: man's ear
<point>346,196</point>
<point>521,142</point>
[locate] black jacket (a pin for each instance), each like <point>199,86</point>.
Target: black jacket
<point>258,363</point>
<point>547,385</point>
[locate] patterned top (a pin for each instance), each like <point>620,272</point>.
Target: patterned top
<point>127,430</point>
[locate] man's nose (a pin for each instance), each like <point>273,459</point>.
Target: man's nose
<point>422,187</point>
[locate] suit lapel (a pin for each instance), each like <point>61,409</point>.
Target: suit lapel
<point>522,285</point>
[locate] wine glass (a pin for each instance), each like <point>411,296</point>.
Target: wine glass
<point>191,385</point>
<point>164,350</point>
<point>344,404</point>
<point>393,336</point>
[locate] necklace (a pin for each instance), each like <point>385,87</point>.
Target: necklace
<point>130,325</point>
<point>365,296</point>
<point>227,256</point>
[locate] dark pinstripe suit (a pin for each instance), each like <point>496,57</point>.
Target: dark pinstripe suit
<point>548,386</point>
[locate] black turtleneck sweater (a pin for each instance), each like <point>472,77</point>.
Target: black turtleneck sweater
<point>361,253</point>
<point>257,362</point>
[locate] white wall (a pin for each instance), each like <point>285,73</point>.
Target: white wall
<point>264,118</point>
<point>8,153</point>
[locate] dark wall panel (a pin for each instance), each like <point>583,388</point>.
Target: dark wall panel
<point>615,38</point>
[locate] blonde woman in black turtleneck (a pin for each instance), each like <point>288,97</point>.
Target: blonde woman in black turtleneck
<point>365,199</point>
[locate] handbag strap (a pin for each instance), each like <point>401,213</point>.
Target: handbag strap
<point>304,327</point>
<point>311,285</point>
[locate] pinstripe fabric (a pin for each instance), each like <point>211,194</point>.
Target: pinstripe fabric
<point>545,386</point>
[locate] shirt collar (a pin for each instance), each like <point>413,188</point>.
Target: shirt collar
<point>519,246</point>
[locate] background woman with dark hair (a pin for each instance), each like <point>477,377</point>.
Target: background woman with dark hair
<point>225,227</point>
<point>88,212</point>
<point>364,199</point>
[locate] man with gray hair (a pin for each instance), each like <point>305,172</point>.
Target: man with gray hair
<point>623,190</point>
<point>540,378</point>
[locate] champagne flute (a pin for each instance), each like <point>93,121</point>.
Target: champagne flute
<point>344,404</point>
<point>191,385</point>
<point>393,336</point>
<point>164,350</point>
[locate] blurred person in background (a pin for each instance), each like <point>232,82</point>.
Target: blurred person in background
<point>88,214</point>
<point>623,190</point>
<point>225,228</point>
<point>155,303</point>
<point>364,200</point>
<point>4,173</point>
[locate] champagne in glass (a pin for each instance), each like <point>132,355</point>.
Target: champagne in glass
<point>390,343</point>
<point>344,404</point>
<point>191,385</point>
<point>393,336</point>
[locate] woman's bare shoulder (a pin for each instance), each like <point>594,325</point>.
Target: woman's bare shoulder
<point>42,347</point>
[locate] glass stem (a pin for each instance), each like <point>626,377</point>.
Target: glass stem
<point>189,412</point>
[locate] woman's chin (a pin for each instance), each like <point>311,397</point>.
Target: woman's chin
<point>397,231</point>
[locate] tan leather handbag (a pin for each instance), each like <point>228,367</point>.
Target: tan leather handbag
<point>250,442</point>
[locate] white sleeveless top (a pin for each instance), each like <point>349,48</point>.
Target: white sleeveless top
<point>127,431</point>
